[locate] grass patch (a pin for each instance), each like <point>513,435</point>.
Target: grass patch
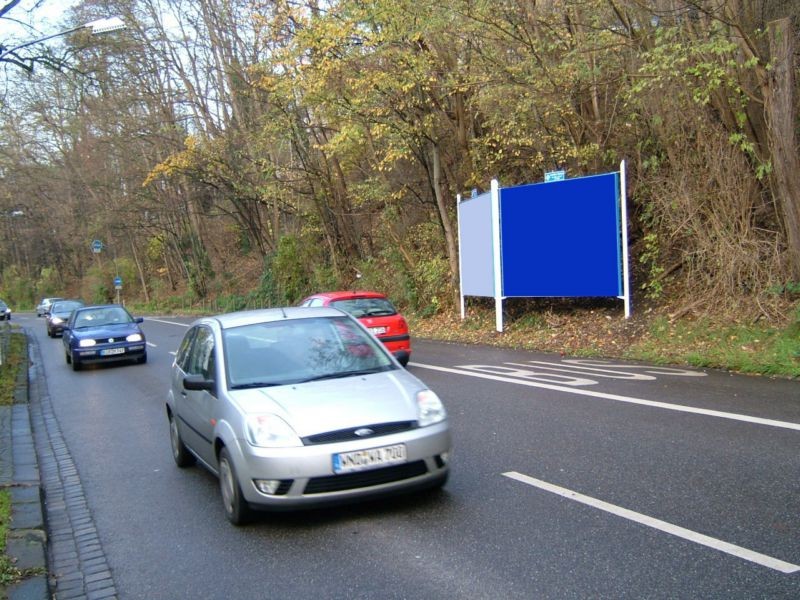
<point>742,348</point>
<point>13,360</point>
<point>8,572</point>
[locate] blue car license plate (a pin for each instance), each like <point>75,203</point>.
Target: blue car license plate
<point>110,351</point>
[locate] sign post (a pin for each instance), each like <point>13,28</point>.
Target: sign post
<point>118,286</point>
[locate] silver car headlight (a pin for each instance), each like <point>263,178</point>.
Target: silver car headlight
<point>430,409</point>
<point>270,431</point>
<point>56,320</point>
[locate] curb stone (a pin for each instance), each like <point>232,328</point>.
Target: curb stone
<point>73,563</point>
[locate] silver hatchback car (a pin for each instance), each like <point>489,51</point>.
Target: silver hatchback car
<point>301,407</point>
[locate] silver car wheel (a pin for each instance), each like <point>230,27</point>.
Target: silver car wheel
<point>226,484</point>
<point>236,509</point>
<point>174,438</point>
<point>181,455</point>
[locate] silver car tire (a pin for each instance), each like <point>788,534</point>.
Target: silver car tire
<point>236,509</point>
<point>183,458</point>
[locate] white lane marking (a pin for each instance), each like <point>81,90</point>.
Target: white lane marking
<point>605,365</point>
<point>593,371</point>
<point>537,370</point>
<point>151,344</point>
<point>529,374</point>
<point>167,322</point>
<point>681,532</point>
<point>617,398</point>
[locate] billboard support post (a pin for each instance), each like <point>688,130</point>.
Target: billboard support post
<point>626,282</point>
<point>498,265</point>
<point>460,265</point>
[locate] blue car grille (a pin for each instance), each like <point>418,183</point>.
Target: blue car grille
<point>109,340</point>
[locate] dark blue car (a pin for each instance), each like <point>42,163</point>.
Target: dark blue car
<point>58,315</point>
<point>105,333</point>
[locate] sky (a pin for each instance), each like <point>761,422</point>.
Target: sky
<point>39,22</point>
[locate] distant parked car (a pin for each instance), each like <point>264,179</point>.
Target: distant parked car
<point>44,305</point>
<point>376,312</point>
<point>104,333</point>
<point>58,314</point>
<point>300,407</point>
<point>5,311</point>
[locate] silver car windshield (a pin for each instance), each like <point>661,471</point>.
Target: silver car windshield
<point>300,350</point>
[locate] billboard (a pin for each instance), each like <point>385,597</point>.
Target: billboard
<point>562,238</point>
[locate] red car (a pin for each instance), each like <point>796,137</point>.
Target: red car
<point>377,314</point>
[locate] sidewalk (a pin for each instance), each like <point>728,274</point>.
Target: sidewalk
<point>52,532</point>
<point>19,472</point>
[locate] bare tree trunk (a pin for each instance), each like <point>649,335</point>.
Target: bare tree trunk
<point>444,217</point>
<point>142,278</point>
<point>779,107</point>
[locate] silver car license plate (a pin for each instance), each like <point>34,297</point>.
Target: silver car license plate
<point>360,460</point>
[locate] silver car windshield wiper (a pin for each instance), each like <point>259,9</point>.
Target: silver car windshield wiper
<point>255,384</point>
<point>341,374</point>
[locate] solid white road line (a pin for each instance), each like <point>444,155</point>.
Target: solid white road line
<point>617,398</point>
<point>687,534</point>
<point>167,322</point>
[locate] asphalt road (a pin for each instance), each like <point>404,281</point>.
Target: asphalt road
<point>570,479</point>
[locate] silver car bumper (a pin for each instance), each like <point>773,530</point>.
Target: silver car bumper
<point>307,477</point>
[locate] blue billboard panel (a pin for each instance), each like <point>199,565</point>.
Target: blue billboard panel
<point>475,246</point>
<point>561,239</point>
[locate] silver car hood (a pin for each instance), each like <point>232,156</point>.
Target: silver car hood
<point>334,404</point>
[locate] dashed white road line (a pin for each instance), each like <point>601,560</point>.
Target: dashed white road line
<point>617,398</point>
<point>681,532</point>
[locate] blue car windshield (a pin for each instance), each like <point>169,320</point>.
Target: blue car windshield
<point>100,317</point>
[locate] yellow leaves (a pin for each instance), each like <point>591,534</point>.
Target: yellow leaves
<point>179,162</point>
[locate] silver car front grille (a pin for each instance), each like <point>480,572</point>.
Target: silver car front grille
<point>346,435</point>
